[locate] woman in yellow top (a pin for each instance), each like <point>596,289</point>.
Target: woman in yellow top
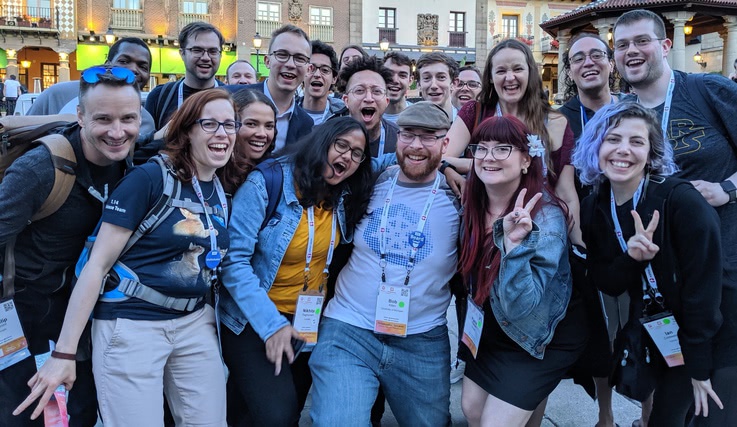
<point>274,273</point>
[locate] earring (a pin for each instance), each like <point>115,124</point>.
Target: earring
<point>524,171</point>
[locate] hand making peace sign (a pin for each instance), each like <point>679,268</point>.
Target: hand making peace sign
<point>640,246</point>
<point>518,223</point>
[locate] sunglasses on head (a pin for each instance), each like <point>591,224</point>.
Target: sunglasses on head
<point>92,75</point>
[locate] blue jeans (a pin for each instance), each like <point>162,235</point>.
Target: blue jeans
<point>349,363</point>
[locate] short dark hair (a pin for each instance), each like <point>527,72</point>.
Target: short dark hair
<point>196,28</point>
<point>115,48</point>
<point>105,79</point>
<point>289,28</point>
<point>629,18</point>
<point>438,57</point>
<point>239,61</point>
<point>398,58</point>
<point>470,68</point>
<point>364,64</point>
<point>571,88</point>
<point>323,48</point>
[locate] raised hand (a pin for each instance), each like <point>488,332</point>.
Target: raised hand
<point>701,392</point>
<point>518,223</point>
<point>640,246</point>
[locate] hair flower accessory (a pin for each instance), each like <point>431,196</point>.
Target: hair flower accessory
<point>536,146</point>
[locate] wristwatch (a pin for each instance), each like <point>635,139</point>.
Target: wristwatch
<point>445,165</point>
<point>729,188</point>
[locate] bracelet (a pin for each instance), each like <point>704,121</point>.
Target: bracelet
<point>64,356</point>
<point>444,165</point>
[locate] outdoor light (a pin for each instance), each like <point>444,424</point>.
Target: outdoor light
<point>109,36</point>
<point>92,36</point>
<point>384,44</point>
<point>697,59</point>
<point>25,63</point>
<point>687,30</point>
<point>257,45</point>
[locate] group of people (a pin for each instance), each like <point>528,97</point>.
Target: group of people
<point>269,245</point>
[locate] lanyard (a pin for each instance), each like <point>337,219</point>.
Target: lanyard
<point>416,239</point>
<point>180,93</point>
<point>651,282</point>
<point>382,139</point>
<point>498,110</point>
<point>213,258</point>
<point>666,105</point>
<point>311,243</point>
<point>584,116</point>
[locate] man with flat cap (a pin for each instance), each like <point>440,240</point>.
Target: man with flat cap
<point>386,324</point>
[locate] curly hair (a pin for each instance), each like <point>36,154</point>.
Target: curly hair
<point>571,88</point>
<point>364,64</point>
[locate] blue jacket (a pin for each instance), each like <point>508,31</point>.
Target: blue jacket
<point>255,254</point>
<point>531,294</point>
<point>300,123</point>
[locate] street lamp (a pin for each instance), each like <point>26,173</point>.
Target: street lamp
<point>257,45</point>
<point>697,59</point>
<point>109,36</point>
<point>384,45</point>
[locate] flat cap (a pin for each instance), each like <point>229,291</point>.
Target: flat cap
<point>424,114</point>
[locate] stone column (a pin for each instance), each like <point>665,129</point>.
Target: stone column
<point>12,68</point>
<point>678,52</point>
<point>603,26</point>
<point>563,37</point>
<point>729,51</point>
<point>482,33</point>
<point>64,73</point>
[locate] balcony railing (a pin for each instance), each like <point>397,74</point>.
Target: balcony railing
<point>127,19</point>
<point>265,28</point>
<point>188,18</point>
<point>456,39</point>
<point>388,33</point>
<point>321,32</point>
<point>27,16</point>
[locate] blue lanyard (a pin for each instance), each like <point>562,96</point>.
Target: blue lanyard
<point>213,258</point>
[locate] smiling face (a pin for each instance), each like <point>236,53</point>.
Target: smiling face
<point>463,94</point>
<point>418,162</point>
<point>505,173</point>
<point>401,80</point>
<point>110,118</point>
<point>317,84</point>
<point>589,75</point>
<point>435,83</point>
<point>367,108</point>
<point>341,166</point>
<point>211,151</point>
<point>241,73</point>
<point>287,76</point>
<point>135,58</point>
<point>201,69</point>
<point>640,66</point>
<point>510,75</point>
<point>257,132</point>
<point>624,153</point>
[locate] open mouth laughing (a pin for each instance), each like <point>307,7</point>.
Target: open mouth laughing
<point>368,114</point>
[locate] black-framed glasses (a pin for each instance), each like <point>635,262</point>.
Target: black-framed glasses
<point>283,56</point>
<point>211,126</point>
<point>200,51</point>
<point>92,75</point>
<point>323,69</point>
<point>596,55</point>
<point>640,42</point>
<point>342,147</point>
<point>361,91</point>
<point>471,84</point>
<point>426,139</point>
<point>498,152</point>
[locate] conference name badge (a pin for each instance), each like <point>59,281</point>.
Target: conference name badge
<point>13,344</point>
<point>307,316</point>
<point>392,310</point>
<point>472,327</point>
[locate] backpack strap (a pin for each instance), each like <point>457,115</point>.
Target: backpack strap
<point>274,177</point>
<point>162,107</point>
<point>65,162</point>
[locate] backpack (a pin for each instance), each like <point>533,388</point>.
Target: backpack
<point>121,282</point>
<point>18,135</point>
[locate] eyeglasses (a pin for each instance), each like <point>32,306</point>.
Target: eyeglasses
<point>427,140</point>
<point>198,51</point>
<point>92,75</point>
<point>211,126</point>
<point>622,45</point>
<point>498,152</point>
<point>283,56</point>
<point>595,55</point>
<point>342,147</point>
<point>361,91</point>
<point>472,84</point>
<point>323,69</point>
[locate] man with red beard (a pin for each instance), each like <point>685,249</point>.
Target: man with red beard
<point>363,84</point>
<point>322,73</point>
<point>386,325</point>
<point>200,46</point>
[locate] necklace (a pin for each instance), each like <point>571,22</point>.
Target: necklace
<point>211,192</point>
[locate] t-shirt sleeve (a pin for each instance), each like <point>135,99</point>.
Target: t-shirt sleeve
<point>722,94</point>
<point>134,196</point>
<point>468,115</point>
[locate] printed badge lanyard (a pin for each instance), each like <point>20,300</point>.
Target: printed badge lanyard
<point>584,117</point>
<point>650,281</point>
<point>416,239</point>
<point>545,163</point>
<point>213,258</point>
<point>382,139</point>
<point>667,105</point>
<point>180,93</point>
<point>311,243</point>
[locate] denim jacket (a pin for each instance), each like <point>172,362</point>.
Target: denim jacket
<point>530,295</point>
<point>255,254</point>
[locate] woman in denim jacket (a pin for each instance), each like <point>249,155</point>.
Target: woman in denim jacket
<point>326,186</point>
<point>515,262</point>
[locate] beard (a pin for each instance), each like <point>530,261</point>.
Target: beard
<point>419,172</point>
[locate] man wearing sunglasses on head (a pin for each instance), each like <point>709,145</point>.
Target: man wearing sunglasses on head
<point>108,121</point>
<point>322,73</point>
<point>288,61</point>
<point>200,46</point>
